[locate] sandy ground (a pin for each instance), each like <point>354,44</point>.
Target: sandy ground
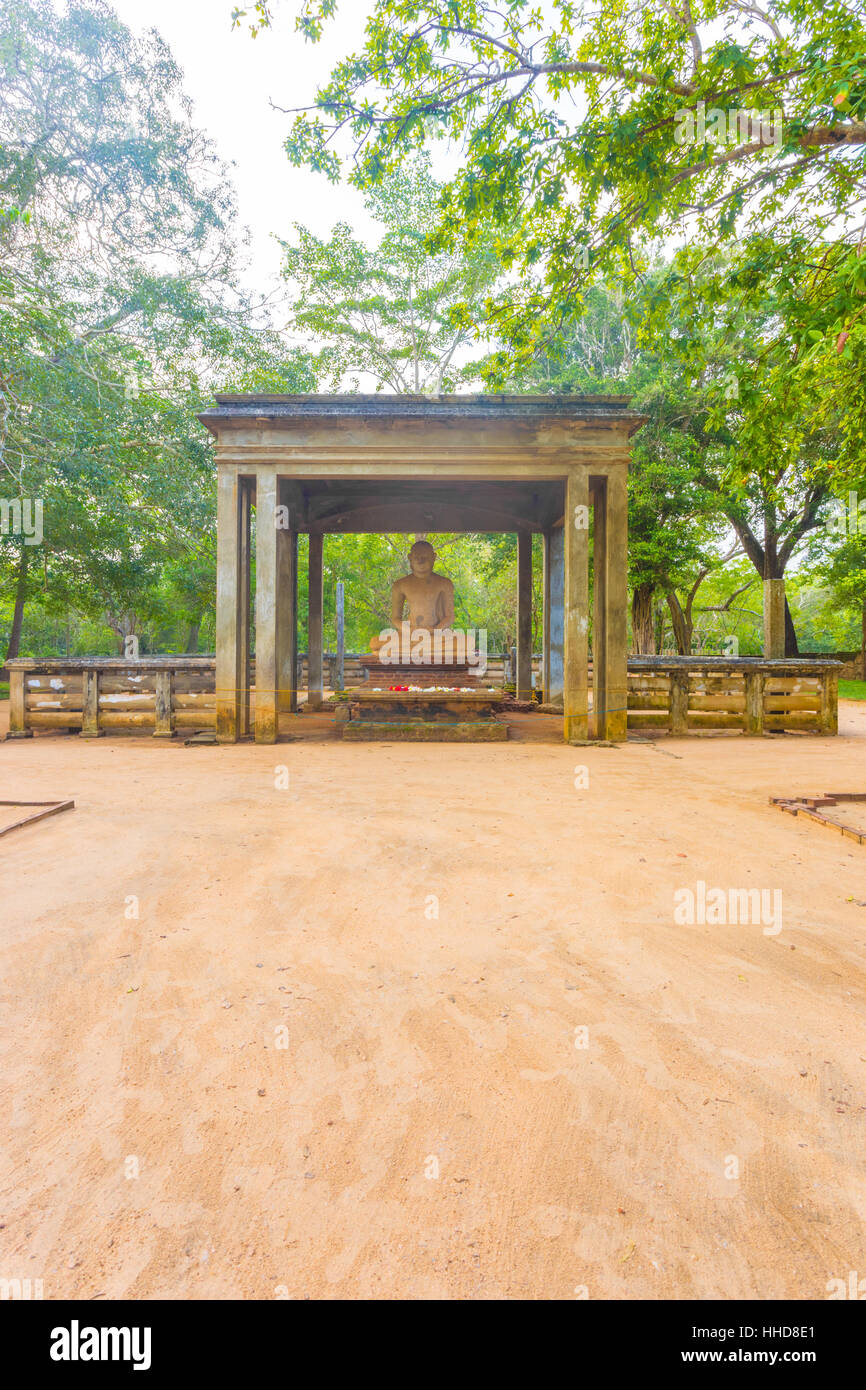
<point>287,1076</point>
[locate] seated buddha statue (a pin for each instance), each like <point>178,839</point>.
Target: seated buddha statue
<point>423,599</point>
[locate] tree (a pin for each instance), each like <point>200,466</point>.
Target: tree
<point>389,312</point>
<point>111,188</point>
<point>843,567</point>
<point>776,444</point>
<point>118,309</point>
<point>672,527</point>
<point>674,520</point>
<point>585,126</point>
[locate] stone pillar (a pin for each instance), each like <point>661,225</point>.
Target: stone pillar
<point>774,619</point>
<point>244,560</point>
<point>576,606</point>
<point>524,616</point>
<point>599,607</point>
<point>545,617</point>
<point>340,668</point>
<point>276,565</point>
<point>557,592</point>
<point>267,723</point>
<point>616,604</point>
<point>314,622</point>
<point>230,666</point>
<point>287,614</point>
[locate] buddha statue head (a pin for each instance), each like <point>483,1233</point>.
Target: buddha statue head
<point>422,558</point>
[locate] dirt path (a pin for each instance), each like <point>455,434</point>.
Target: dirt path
<point>286,1044</point>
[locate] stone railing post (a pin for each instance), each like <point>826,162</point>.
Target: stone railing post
<point>90,705</point>
<point>679,706</point>
<point>164,726</point>
<point>753,717</point>
<point>829,717</point>
<point>17,707</point>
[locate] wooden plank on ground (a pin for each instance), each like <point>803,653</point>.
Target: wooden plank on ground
<point>45,808</point>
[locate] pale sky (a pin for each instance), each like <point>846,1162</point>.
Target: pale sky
<point>231,79</point>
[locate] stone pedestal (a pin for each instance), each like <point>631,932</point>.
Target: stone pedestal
<point>405,704</point>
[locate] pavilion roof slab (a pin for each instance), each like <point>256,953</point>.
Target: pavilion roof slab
<point>610,412</point>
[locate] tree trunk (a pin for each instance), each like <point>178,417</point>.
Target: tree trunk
<point>863,643</point>
<point>659,621</point>
<point>774,568</point>
<point>643,631</point>
<point>770,559</point>
<point>791,645</point>
<point>192,638</point>
<point>18,610</point>
<point>122,625</point>
<point>682,624</point>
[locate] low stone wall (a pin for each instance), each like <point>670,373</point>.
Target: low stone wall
<point>98,695</point>
<point>677,695</point>
<point>158,694</point>
<point>853,664</point>
<point>498,670</point>
<point>686,694</point>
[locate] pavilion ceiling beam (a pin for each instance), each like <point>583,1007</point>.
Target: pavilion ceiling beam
<point>476,509</point>
<point>409,518</point>
<point>293,495</point>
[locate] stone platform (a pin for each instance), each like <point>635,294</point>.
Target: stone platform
<point>415,730</point>
<point>442,704</point>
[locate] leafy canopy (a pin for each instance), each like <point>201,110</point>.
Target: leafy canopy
<point>584,125</point>
<point>393,312</point>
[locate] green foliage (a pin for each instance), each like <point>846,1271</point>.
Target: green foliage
<point>395,313</point>
<point>589,132</point>
<point>119,313</point>
<point>823,624</point>
<point>841,564</point>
